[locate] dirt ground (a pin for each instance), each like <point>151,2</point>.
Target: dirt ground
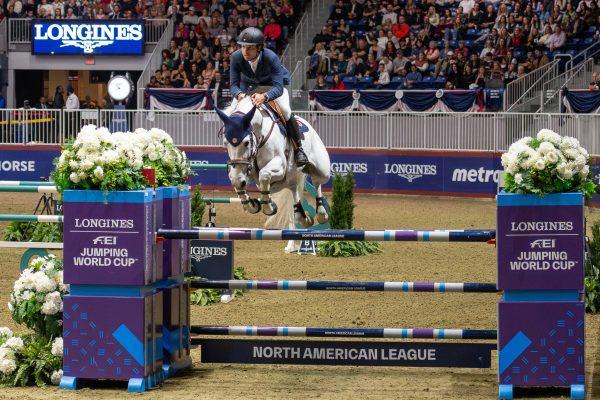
<point>400,262</point>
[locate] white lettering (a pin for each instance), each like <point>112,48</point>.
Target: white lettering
<point>475,175</point>
<point>17,166</point>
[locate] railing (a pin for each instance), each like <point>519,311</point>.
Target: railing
<point>397,130</point>
<point>155,60</point>
<point>522,91</point>
<point>291,55</point>
<point>19,30</point>
<point>3,36</point>
<point>576,78</point>
<point>297,80</point>
<point>583,55</point>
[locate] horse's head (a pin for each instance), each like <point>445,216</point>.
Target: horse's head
<point>240,144</point>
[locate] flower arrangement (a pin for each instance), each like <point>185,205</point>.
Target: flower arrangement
<point>29,359</point>
<point>37,297</point>
<point>99,160</point>
<point>548,163</point>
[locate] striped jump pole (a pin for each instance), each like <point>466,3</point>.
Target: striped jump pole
<point>208,166</point>
<point>396,333</point>
<point>28,189</point>
<point>222,200</point>
<point>26,183</point>
<point>330,234</point>
<point>31,218</point>
<point>436,287</point>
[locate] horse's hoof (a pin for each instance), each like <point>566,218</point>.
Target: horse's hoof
<point>322,218</point>
<point>253,206</point>
<point>273,206</point>
<point>306,222</point>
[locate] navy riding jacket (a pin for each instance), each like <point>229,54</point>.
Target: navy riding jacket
<point>269,72</point>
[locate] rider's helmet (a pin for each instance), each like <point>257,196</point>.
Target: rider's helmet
<point>251,37</point>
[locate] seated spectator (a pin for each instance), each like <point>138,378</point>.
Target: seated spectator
<point>178,76</point>
<point>413,76</point>
<point>400,63</point>
<point>541,58</point>
<point>382,77</point>
<point>209,72</point>
<point>481,77</point>
<point>467,79</point>
<point>390,50</point>
<point>510,74</point>
<point>273,32</point>
<point>432,54</point>
<point>340,65</point>
<point>356,66</point>
<point>320,85</point>
<point>422,64</point>
<point>441,67</point>
<point>401,28</point>
<point>201,84</point>
<point>317,62</point>
<point>355,10</point>
<point>557,40</point>
<point>337,83</point>
<point>371,65</point>
<point>454,76</point>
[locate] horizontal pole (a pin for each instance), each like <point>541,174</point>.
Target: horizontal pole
<point>30,245</point>
<point>396,333</point>
<point>208,166</point>
<point>28,189</point>
<point>435,287</point>
<point>330,234</point>
<point>26,183</point>
<point>31,218</point>
<point>222,200</point>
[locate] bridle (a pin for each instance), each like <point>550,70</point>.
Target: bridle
<point>255,145</point>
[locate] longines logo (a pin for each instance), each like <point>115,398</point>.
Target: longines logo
<point>410,172</point>
<point>88,36</point>
<point>200,253</point>
<point>344,168</point>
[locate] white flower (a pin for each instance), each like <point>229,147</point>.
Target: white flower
<point>5,332</point>
<point>7,366</point>
<point>43,284</point>
<point>99,172</point>
<point>546,135</point>
<point>518,179</point>
<point>540,164</point>
<point>86,164</point>
<point>585,171</point>
<point>545,148</point>
<point>74,177</point>
<point>73,164</point>
<point>6,353</point>
<point>27,295</point>
<point>551,157</point>
<point>11,308</point>
<point>57,347</point>
<point>50,308</point>
<point>569,143</point>
<point>56,377</point>
<point>571,154</point>
<point>15,343</point>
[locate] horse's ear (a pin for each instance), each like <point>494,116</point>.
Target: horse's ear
<point>222,115</point>
<point>248,117</point>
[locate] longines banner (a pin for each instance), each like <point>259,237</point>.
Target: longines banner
<point>72,37</point>
<point>473,174</point>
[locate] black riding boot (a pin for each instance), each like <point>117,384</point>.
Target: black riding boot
<point>294,132</point>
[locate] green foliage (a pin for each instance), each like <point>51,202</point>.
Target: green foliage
<point>342,209</point>
<point>342,217</point>
<point>336,248</point>
<point>35,363</point>
<point>205,297</point>
<point>592,271</point>
<point>34,232</point>
<point>198,206</point>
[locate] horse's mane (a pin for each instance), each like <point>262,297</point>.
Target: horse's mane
<point>244,106</point>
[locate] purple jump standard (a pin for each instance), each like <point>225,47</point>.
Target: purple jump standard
<point>331,234</point>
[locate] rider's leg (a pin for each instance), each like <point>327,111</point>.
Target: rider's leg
<point>292,127</point>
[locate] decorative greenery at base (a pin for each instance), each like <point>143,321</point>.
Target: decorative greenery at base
<point>34,232</point>
<point>592,271</point>
<point>206,297</point>
<point>198,206</point>
<point>335,248</point>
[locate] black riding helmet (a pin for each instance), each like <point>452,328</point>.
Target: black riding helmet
<point>251,36</point>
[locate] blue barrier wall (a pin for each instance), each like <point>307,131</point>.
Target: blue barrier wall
<point>451,173</point>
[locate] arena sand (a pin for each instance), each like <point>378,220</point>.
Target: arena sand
<point>400,262</point>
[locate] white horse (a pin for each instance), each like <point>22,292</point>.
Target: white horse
<point>258,152</point>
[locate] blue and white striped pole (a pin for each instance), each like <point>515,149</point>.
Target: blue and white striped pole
<point>432,287</point>
<point>330,234</point>
<point>396,333</point>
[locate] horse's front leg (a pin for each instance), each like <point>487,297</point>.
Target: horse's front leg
<point>273,171</point>
<point>248,203</point>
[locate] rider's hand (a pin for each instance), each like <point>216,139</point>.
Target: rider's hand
<point>241,96</point>
<point>258,99</point>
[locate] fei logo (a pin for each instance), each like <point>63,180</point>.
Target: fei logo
<point>543,244</point>
<point>109,240</point>
<point>90,36</point>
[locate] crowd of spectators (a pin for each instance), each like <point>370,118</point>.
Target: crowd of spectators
<point>453,44</point>
<point>205,37</point>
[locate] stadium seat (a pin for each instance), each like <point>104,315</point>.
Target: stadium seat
<point>364,83</point>
<point>472,34</point>
<point>350,82</point>
<point>396,83</point>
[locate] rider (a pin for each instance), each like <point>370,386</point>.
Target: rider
<point>254,67</point>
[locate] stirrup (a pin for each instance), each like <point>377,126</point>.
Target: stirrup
<point>300,156</point>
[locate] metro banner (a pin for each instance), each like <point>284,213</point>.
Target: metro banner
<point>439,173</point>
